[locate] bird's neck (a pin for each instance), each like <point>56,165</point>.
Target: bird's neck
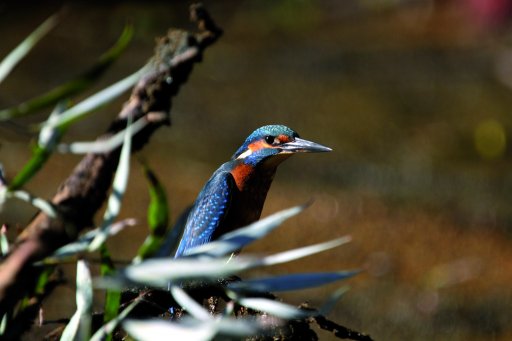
<point>248,176</point>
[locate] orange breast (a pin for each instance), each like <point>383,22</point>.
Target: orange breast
<point>241,173</point>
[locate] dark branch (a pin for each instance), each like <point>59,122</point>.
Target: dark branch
<point>84,191</point>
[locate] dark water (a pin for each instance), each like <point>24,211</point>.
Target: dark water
<point>412,98</point>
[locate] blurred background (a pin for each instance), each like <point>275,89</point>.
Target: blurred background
<point>415,98</point>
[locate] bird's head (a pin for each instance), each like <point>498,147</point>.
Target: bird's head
<point>275,142</point>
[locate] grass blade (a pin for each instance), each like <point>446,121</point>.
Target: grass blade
<point>275,308</point>
<point>99,99</point>
<point>236,240</point>
<point>82,244</point>
<point>158,217</point>
<point>109,327</point>
<point>43,205</point>
<point>291,282</point>
<point>16,55</point>
<point>191,306</point>
<point>4,243</point>
<point>288,256</point>
<point>102,146</point>
<point>79,327</point>
<point>152,330</point>
<point>74,86</point>
<point>118,188</point>
<point>48,138</point>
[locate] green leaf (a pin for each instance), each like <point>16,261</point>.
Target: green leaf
<point>112,296</point>
<point>16,55</point>
<point>39,157</point>
<point>239,238</point>
<point>158,217</point>
<point>48,138</point>
<point>74,86</point>
<point>118,188</point>
<point>107,329</point>
<point>291,282</point>
<point>79,327</point>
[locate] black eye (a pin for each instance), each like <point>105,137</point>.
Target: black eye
<point>269,139</point>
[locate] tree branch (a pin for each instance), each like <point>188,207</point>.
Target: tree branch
<point>83,192</point>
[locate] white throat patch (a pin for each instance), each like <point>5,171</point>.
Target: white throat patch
<point>244,154</point>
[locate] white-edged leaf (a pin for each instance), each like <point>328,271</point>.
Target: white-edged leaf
<point>16,55</point>
<point>118,188</point>
<point>152,330</point>
<point>188,303</point>
<point>294,254</point>
<point>291,282</point>
<point>82,244</point>
<point>329,305</point>
<point>275,308</point>
<point>102,146</point>
<point>49,136</point>
<point>79,327</point>
<point>109,327</point>
<point>239,238</point>
<point>3,323</point>
<point>159,272</point>
<point>97,100</point>
<point>4,243</point>
<point>39,203</point>
<point>238,327</point>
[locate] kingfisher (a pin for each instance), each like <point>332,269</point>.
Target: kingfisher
<point>234,195</point>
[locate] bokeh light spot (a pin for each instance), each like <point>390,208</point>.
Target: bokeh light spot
<point>490,139</point>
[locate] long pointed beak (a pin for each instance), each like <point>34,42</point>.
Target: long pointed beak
<point>303,146</point>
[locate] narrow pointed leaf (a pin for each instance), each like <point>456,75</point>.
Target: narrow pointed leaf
<point>48,138</point>
<point>158,217</point>
<point>79,327</point>
<point>275,308</point>
<point>287,256</point>
<point>4,243</point>
<point>99,99</point>
<point>118,188</point>
<point>329,305</point>
<point>74,86</point>
<point>188,303</point>
<point>16,55</point>
<point>239,238</point>
<point>152,330</point>
<point>82,244</point>
<point>109,327</point>
<point>102,146</point>
<point>39,203</point>
<point>159,272</point>
<point>291,282</point>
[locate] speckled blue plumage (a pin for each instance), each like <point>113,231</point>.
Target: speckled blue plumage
<point>221,206</point>
<point>208,211</point>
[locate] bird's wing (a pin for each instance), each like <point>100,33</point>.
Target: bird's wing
<point>208,211</point>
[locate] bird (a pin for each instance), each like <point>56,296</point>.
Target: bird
<point>235,194</point>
